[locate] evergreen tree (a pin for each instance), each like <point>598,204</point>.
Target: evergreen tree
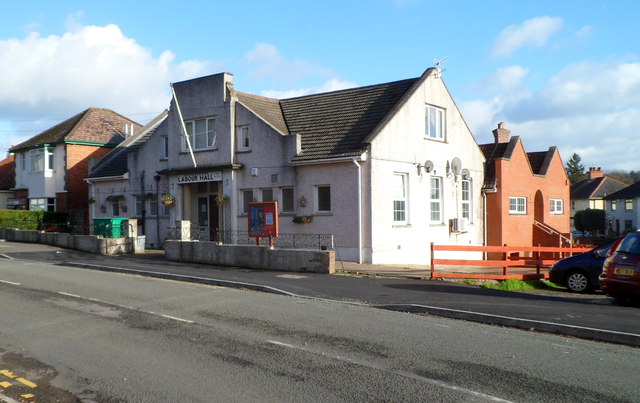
<point>575,170</point>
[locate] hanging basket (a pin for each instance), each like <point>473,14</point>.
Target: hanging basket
<point>168,199</point>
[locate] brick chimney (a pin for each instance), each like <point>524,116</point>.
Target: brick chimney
<point>501,134</point>
<point>595,173</point>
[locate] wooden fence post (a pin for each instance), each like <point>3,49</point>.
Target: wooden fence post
<point>432,265</point>
<point>505,256</point>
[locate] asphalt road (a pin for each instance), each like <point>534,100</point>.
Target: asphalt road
<point>111,338</point>
<point>592,317</point>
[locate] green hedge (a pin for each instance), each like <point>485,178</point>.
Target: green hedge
<point>30,220</point>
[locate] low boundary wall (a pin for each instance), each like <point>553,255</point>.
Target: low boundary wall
<point>253,257</point>
<point>86,243</point>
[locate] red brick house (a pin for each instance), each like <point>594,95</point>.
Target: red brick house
<point>51,166</point>
<point>7,182</point>
<point>526,194</point>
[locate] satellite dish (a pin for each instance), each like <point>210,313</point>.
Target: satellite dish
<point>456,166</point>
<point>428,166</point>
<point>465,174</point>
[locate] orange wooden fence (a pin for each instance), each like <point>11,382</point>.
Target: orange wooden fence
<point>537,259</point>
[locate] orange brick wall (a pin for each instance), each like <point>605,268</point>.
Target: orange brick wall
<point>77,168</point>
<point>516,179</point>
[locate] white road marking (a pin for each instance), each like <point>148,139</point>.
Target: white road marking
<point>6,256</point>
<point>126,307</point>
<point>397,372</point>
<point>69,295</point>
<point>175,318</point>
<point>9,282</point>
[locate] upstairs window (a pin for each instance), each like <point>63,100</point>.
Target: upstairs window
<point>202,134</point>
<point>556,206</point>
<point>517,205</point>
<point>165,147</point>
<point>243,138</point>
<point>614,205</point>
<point>41,159</point>
<point>435,123</point>
<point>628,204</point>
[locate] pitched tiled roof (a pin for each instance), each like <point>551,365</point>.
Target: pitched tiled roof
<point>492,152</point>
<point>629,192</point>
<point>536,160</point>
<point>336,124</point>
<point>7,173</point>
<point>94,125</point>
<point>595,188</point>
<point>115,162</point>
<point>267,108</point>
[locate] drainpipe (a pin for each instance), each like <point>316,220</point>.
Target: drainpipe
<point>484,221</point>
<point>359,211</point>
<point>157,179</point>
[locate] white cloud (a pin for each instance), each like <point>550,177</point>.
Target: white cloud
<point>58,76</point>
<point>333,84</point>
<point>533,32</point>
<point>589,108</point>
<point>268,63</point>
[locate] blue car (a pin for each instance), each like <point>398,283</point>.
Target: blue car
<point>580,273</point>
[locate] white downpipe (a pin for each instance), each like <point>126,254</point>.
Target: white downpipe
<point>484,221</point>
<point>359,211</point>
<point>182,126</point>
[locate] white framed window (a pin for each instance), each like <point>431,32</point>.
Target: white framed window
<point>247,197</point>
<point>465,199</point>
<point>399,192</point>
<point>267,194</point>
<point>323,199</point>
<point>41,159</point>
<point>517,205</point>
<point>435,123</point>
<point>243,138</point>
<point>165,147</point>
<point>435,198</point>
<point>628,204</point>
<point>557,206</point>
<point>23,163</point>
<point>614,205</point>
<point>43,204</point>
<point>202,134</point>
<point>287,200</point>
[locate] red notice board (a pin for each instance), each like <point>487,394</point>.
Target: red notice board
<point>263,219</point>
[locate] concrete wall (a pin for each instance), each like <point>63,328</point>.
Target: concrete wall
<point>254,257</point>
<point>86,243</point>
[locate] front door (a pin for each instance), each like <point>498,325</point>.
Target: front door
<point>214,221</point>
<point>203,218</point>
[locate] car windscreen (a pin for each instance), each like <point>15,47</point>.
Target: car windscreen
<point>630,244</point>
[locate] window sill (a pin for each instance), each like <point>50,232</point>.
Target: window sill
<point>321,213</point>
<point>243,151</point>
<point>199,150</point>
<point>401,226</point>
<point>510,213</point>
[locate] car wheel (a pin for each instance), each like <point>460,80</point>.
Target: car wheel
<point>577,281</point>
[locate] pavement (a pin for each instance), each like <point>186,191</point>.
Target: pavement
<point>404,288</point>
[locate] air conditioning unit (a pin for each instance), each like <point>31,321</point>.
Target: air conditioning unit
<point>458,225</point>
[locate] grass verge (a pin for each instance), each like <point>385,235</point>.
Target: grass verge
<point>522,285</point>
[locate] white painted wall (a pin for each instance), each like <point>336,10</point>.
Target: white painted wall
<point>399,147</point>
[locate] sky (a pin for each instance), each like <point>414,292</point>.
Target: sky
<point>558,73</point>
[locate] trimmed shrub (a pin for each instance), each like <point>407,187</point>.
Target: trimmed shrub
<point>31,220</point>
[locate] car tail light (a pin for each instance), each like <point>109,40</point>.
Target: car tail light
<point>614,246</point>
